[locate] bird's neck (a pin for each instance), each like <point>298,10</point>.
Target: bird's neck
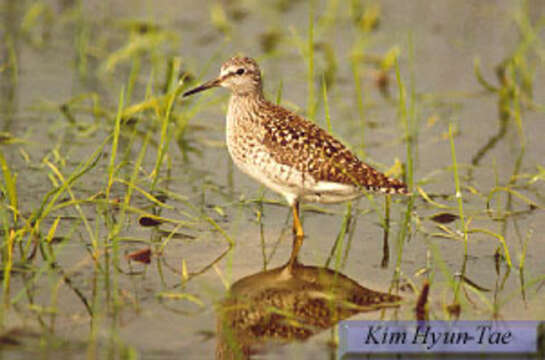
<point>254,94</point>
<point>242,105</point>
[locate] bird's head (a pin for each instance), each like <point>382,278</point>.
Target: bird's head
<point>239,74</point>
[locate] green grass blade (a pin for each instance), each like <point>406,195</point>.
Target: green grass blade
<point>9,181</point>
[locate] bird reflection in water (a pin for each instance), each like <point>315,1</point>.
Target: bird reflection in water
<point>289,303</point>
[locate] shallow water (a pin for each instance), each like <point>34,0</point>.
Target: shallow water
<point>155,312</point>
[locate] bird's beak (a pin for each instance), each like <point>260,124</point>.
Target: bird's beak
<point>207,85</point>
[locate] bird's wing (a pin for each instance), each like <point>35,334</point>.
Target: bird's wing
<point>298,143</point>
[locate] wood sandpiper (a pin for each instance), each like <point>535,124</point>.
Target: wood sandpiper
<point>287,153</point>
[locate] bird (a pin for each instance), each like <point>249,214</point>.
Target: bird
<point>287,303</point>
<point>287,153</point>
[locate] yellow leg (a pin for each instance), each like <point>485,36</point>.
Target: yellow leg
<point>297,243</point>
<point>297,236</point>
<point>297,227</point>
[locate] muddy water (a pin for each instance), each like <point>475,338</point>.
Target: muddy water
<point>447,37</point>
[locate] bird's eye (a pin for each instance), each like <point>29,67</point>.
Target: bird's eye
<point>240,71</point>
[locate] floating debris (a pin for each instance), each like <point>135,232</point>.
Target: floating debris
<point>147,221</point>
<point>142,256</point>
<point>421,309</point>
<point>444,218</point>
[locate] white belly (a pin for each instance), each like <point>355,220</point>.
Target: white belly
<point>294,185</point>
<point>289,182</point>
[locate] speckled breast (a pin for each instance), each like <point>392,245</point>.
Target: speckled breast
<point>244,137</point>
